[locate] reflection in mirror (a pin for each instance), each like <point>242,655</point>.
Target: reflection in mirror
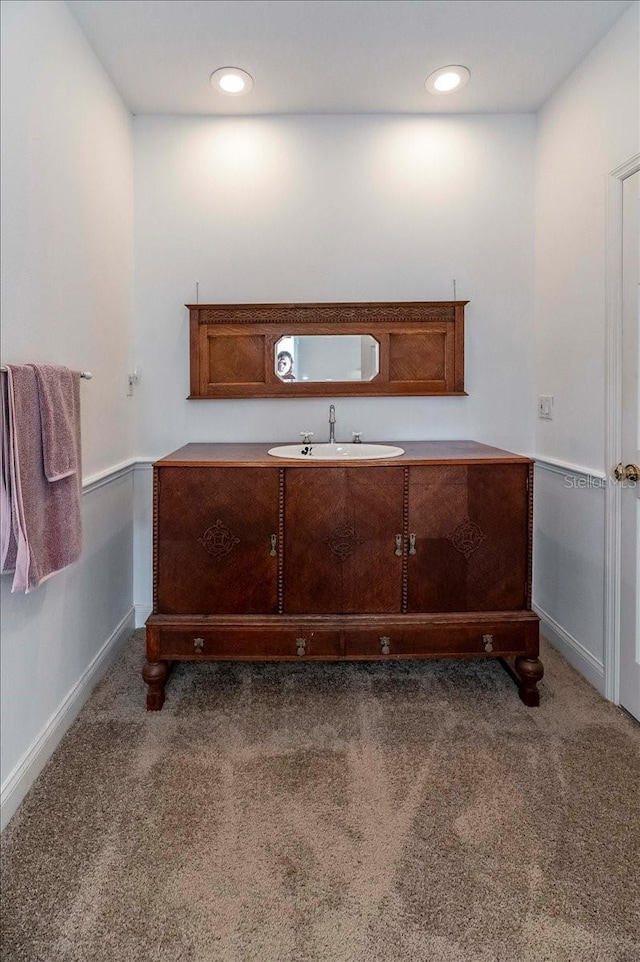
<point>326,357</point>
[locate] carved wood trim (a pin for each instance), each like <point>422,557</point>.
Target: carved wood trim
<point>382,312</point>
<point>156,497</point>
<point>405,536</point>
<point>530,534</point>
<point>281,477</point>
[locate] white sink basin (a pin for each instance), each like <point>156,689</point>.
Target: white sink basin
<point>336,452</point>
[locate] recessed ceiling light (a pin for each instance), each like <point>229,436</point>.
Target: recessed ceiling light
<point>232,80</point>
<point>446,80</point>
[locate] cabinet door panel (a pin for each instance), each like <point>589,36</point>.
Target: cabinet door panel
<point>214,540</point>
<point>340,529</point>
<point>471,527</point>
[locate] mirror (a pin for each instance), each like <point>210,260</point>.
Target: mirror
<point>326,357</point>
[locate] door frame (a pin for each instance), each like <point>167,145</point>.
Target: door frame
<point>613,423</point>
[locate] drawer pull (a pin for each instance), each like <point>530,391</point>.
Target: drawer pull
<point>274,544</point>
<point>385,645</point>
<point>302,645</point>
<point>487,641</point>
<point>398,551</point>
<point>198,644</point>
<point>412,544</point>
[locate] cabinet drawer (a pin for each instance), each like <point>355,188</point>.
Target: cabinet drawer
<point>443,640</point>
<point>178,644</point>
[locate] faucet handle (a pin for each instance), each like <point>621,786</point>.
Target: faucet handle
<point>357,437</point>
<point>306,436</point>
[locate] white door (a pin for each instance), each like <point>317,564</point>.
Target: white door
<point>630,498</point>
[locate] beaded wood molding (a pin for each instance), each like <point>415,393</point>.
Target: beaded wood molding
<point>420,347</point>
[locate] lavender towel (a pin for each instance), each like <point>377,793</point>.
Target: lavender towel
<point>41,520</point>
<point>8,532</point>
<point>59,394</point>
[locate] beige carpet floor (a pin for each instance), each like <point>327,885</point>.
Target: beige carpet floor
<point>413,812</point>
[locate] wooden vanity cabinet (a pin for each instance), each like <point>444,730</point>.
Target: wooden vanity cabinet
<point>422,556</point>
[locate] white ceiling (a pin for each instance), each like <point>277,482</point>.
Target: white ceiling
<point>341,56</point>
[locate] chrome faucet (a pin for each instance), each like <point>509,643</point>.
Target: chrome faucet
<point>332,424</point>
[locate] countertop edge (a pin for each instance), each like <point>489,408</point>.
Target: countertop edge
<point>255,454</point>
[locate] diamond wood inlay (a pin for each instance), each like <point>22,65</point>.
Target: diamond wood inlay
<point>218,540</point>
<point>343,541</point>
<point>467,537</point>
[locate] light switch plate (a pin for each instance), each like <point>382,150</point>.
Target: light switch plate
<point>545,406</point>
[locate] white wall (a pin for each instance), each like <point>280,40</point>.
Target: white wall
<point>335,208</point>
<point>66,298</point>
<point>587,128</point>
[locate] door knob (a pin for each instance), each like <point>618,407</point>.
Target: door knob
<point>627,472</point>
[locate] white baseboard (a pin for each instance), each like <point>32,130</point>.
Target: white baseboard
<point>20,780</point>
<point>570,648</point>
<point>142,613</point>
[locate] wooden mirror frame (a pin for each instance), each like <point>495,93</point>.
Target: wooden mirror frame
<point>421,347</point>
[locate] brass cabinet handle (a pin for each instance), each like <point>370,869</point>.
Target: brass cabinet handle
<point>487,641</point>
<point>398,551</point>
<point>198,644</point>
<point>385,645</point>
<point>274,545</point>
<point>302,645</point>
<point>412,544</point>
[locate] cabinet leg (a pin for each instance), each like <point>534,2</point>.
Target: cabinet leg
<point>529,671</point>
<point>526,672</point>
<point>155,674</point>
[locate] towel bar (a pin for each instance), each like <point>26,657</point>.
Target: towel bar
<point>85,374</point>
